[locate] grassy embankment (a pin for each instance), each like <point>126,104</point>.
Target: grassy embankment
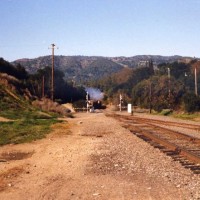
<point>26,122</point>
<point>31,126</point>
<point>188,116</point>
<point>185,116</point>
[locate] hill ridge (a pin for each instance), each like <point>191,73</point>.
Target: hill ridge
<point>83,68</point>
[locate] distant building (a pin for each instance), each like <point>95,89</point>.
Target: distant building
<point>147,63</point>
<point>144,63</point>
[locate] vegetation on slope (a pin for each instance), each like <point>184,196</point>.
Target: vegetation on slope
<point>88,68</point>
<point>155,89</point>
<point>24,130</point>
<point>25,122</point>
<point>149,86</point>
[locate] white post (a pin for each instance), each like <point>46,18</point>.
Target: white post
<point>130,108</point>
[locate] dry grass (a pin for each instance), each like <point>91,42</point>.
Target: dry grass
<point>50,106</point>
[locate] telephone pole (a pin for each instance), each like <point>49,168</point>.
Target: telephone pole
<point>169,82</point>
<point>150,97</point>
<point>52,72</point>
<point>195,74</point>
<point>43,86</point>
<point>169,79</point>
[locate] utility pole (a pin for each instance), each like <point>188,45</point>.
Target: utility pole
<point>43,86</point>
<point>52,72</point>
<point>195,75</point>
<point>150,97</point>
<point>169,81</point>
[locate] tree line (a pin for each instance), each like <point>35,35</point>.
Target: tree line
<point>64,91</point>
<point>169,86</point>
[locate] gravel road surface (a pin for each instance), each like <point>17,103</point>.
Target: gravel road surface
<point>92,156</point>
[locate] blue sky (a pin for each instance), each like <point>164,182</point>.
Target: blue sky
<point>99,27</point>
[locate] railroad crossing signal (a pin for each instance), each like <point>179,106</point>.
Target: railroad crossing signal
<point>87,101</point>
<point>120,102</point>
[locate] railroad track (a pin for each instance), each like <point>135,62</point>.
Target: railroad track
<point>166,123</point>
<point>181,147</point>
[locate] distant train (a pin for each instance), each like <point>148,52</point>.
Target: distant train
<point>96,104</point>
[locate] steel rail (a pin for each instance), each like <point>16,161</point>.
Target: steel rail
<point>181,153</point>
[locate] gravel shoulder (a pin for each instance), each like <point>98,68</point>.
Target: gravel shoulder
<point>92,157</point>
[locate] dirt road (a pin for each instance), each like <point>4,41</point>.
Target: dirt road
<point>91,157</point>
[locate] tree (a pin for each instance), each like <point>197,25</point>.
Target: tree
<point>17,71</point>
<point>191,102</point>
<point>154,92</point>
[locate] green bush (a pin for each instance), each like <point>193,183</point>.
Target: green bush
<point>191,102</point>
<point>166,112</point>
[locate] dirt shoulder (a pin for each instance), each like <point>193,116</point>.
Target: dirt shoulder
<point>92,157</point>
